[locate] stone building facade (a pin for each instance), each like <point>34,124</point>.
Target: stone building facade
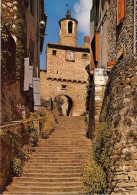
<point>66,73</point>
<point>36,23</point>
<point>22,42</point>
<point>113,38</point>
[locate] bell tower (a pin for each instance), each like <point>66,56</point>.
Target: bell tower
<point>68,31</point>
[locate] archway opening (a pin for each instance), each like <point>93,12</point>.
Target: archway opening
<point>65,104</point>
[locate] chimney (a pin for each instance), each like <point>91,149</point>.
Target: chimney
<point>87,41</point>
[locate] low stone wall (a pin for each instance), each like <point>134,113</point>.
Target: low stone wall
<point>13,138</point>
<point>120,114</point>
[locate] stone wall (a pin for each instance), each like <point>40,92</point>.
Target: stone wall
<point>119,112</point>
<point>76,90</point>
<point>59,67</point>
<point>120,36</point>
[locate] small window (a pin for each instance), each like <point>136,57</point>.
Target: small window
<point>85,56</point>
<point>57,72</point>
<point>70,25</point>
<point>54,52</point>
<point>64,87</point>
<point>32,7</point>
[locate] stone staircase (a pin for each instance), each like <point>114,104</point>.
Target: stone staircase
<point>57,164</point>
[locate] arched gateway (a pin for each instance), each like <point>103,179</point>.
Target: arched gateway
<point>66,104</point>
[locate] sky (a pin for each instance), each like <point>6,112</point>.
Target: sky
<point>56,10</point>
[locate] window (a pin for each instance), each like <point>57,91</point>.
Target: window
<point>32,7</point>
<point>57,72</point>
<point>70,25</point>
<point>85,56</point>
<point>120,11</point>
<point>97,47</point>
<point>64,87</point>
<point>54,52</point>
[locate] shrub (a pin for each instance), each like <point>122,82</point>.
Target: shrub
<point>24,153</point>
<point>48,125</point>
<point>101,146</point>
<point>94,176</point>
<point>33,135</point>
<point>17,166</point>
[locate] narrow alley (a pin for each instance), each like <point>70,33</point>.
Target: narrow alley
<point>68,104</point>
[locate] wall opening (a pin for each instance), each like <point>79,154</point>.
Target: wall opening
<point>70,27</point>
<point>65,104</point>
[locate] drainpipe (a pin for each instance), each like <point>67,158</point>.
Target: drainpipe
<point>134,29</point>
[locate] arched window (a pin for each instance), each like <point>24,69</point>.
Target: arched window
<point>70,25</point>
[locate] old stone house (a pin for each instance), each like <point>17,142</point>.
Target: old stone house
<point>113,38</point>
<point>22,42</point>
<point>66,74</point>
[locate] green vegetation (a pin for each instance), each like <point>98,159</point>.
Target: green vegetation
<point>47,122</point>
<point>101,146</point>
<point>16,144</point>
<point>94,176</point>
<point>13,17</point>
<point>98,161</point>
<point>17,166</point>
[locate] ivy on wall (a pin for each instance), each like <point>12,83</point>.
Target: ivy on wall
<point>13,17</point>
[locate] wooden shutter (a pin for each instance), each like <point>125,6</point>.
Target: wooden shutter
<point>92,61</point>
<point>97,47</point>
<point>120,11</point>
<point>111,64</point>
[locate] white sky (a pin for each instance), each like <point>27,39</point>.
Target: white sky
<point>82,14</point>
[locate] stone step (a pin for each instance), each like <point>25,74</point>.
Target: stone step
<point>51,152</point>
<point>64,146</point>
<point>54,164</point>
<point>45,161</point>
<point>32,189</point>
<point>68,140</point>
<point>28,171</point>
<point>49,184</point>
<point>53,175</point>
<point>36,180</point>
<point>57,155</point>
<point>49,193</point>
<point>56,149</point>
<point>52,167</point>
<point>78,144</point>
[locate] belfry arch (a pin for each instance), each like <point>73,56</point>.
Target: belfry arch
<point>70,27</point>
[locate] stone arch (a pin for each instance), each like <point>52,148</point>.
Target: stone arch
<point>67,105</point>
